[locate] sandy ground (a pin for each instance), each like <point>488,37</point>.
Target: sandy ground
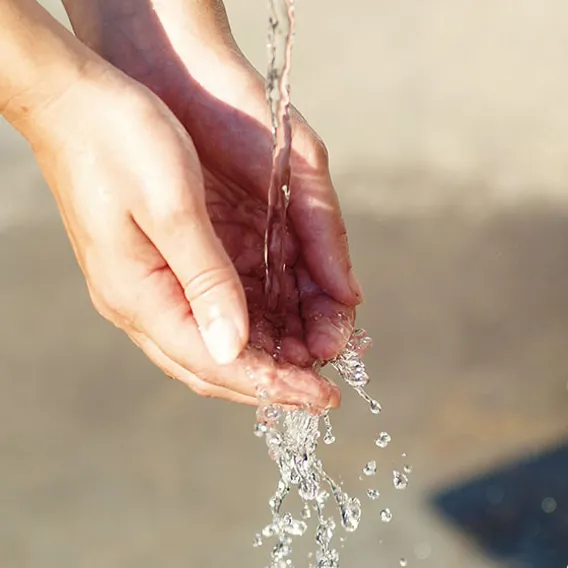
<point>448,131</point>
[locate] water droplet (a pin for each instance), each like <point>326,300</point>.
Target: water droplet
<point>322,497</point>
<point>399,480</point>
<point>297,528</point>
<point>257,540</point>
<point>407,469</point>
<point>260,429</point>
<point>373,494</point>
<point>386,516</point>
<point>273,438</point>
<point>375,407</point>
<point>274,502</point>
<point>351,515</point>
<point>324,532</point>
<point>272,413</point>
<point>383,440</point>
<point>308,488</point>
<point>269,531</point>
<point>403,562</point>
<point>370,468</point>
<point>292,440</point>
<point>261,394</point>
<point>281,550</point>
<point>267,414</point>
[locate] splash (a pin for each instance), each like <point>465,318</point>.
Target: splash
<point>292,437</point>
<point>292,440</point>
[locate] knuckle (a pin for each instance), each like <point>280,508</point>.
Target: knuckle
<point>174,211</point>
<point>321,152</point>
<point>114,306</point>
<point>316,150</point>
<point>177,207</point>
<point>202,389</point>
<point>205,282</point>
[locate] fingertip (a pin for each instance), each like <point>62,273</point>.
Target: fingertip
<point>223,340</point>
<point>343,285</point>
<point>334,400</point>
<point>295,352</point>
<point>326,343</point>
<point>355,288</point>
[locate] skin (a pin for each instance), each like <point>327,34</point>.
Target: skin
<point>152,131</point>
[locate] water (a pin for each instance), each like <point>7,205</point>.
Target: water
<point>399,480</point>
<point>280,38</point>
<point>370,468</point>
<point>373,494</point>
<point>383,440</point>
<point>292,437</point>
<point>386,516</point>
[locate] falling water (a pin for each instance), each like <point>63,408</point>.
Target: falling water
<point>292,440</point>
<point>292,436</point>
<point>280,37</point>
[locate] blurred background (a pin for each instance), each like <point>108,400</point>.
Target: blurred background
<point>447,125</point>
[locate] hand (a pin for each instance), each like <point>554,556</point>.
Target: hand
<point>130,190</point>
<point>183,50</point>
<point>222,105</point>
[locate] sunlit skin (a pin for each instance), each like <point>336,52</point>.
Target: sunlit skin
<point>161,177</point>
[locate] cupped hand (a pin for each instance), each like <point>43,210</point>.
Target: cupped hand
<point>143,215</point>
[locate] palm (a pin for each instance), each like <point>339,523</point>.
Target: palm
<point>184,53</point>
<point>302,330</point>
<point>219,98</point>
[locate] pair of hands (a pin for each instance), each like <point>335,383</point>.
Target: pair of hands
<point>160,171</point>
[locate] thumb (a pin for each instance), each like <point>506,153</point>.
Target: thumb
<point>187,241</point>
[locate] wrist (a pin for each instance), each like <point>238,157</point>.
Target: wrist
<point>168,46</point>
<point>43,63</point>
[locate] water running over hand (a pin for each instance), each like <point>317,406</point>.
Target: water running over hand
<point>292,437</point>
<point>280,37</point>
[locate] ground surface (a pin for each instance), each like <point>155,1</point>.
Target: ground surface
<point>447,124</point>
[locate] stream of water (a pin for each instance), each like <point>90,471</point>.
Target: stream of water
<point>280,38</point>
<point>292,437</point>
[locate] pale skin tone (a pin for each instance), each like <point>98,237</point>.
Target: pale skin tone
<point>152,131</point>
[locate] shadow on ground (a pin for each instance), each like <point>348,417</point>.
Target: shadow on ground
<point>517,514</point>
<point>103,463</point>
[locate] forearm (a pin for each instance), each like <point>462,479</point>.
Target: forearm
<point>41,61</point>
<point>166,45</point>
<point>139,36</point>
<point>102,22</point>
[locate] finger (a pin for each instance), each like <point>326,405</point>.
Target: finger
<point>295,352</point>
<point>328,323</point>
<point>175,371</point>
<point>182,231</point>
<point>164,316</point>
<point>287,342</point>
<point>316,216</point>
<point>288,384</point>
<point>293,347</point>
<point>314,207</point>
<point>262,332</point>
